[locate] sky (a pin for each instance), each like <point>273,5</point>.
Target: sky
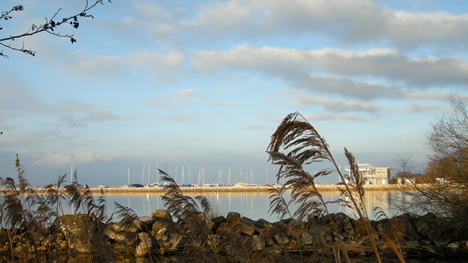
<point>192,85</point>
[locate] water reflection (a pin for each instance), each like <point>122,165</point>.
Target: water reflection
<point>250,204</point>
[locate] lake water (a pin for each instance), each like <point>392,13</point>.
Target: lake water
<point>249,204</point>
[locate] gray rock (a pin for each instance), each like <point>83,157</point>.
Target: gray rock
<point>259,242</point>
<point>144,222</point>
<point>176,240</point>
<point>453,246</point>
<point>119,236</point>
<point>77,232</point>
<point>216,222</point>
<point>232,217</point>
<point>161,214</point>
<point>145,245</point>
<point>247,229</point>
<point>281,239</point>
<point>269,242</point>
<point>307,238</point>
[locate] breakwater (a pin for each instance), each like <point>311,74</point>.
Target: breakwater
<point>227,189</point>
<point>234,238</point>
<point>257,188</point>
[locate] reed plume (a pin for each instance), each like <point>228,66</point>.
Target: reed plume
<point>192,220</point>
<point>295,144</point>
<point>34,222</point>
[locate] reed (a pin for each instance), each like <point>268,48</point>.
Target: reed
<point>193,217</point>
<point>295,144</point>
<point>33,224</point>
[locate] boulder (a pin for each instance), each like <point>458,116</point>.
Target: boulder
<point>259,243</point>
<point>440,233</point>
<point>247,226</point>
<point>119,235</point>
<point>247,229</point>
<point>403,223</point>
<point>161,214</point>
<point>453,246</point>
<point>307,238</point>
<point>269,242</point>
<point>144,222</point>
<point>281,239</point>
<point>232,217</point>
<point>217,221</point>
<point>360,227</point>
<point>144,246</point>
<point>125,227</point>
<point>77,231</point>
<point>175,241</point>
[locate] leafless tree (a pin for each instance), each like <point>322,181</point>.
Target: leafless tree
<point>404,163</point>
<point>449,134</point>
<point>448,140</point>
<point>50,25</point>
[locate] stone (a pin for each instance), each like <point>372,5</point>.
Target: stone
<point>160,235</point>
<point>119,236</point>
<point>157,226</point>
<point>348,227</point>
<point>261,222</point>
<point>307,238</point>
<point>217,221</point>
<point>453,246</point>
<point>269,231</point>
<point>121,227</point>
<point>76,229</point>
<point>281,239</point>
<point>247,229</point>
<point>404,225</point>
<point>259,243</point>
<point>232,217</point>
<point>144,222</point>
<point>425,242</point>
<point>280,225</point>
<point>269,242</point>
<point>440,234</point>
<point>175,241</point>
<point>161,214</point>
<point>359,226</point>
<point>411,243</point>
<point>144,246</point>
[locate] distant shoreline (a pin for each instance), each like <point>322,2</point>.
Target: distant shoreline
<point>202,189</point>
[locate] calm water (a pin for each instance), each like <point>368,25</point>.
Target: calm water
<point>249,204</point>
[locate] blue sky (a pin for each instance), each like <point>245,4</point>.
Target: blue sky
<point>205,84</point>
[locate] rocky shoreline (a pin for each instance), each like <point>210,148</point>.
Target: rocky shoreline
<point>159,238</point>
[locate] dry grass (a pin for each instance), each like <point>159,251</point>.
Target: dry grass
<point>29,218</point>
<point>295,144</point>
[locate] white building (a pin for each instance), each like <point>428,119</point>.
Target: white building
<point>373,175</point>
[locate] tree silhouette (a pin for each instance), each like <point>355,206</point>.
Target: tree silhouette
<point>50,26</point>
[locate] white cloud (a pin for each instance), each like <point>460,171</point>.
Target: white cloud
<point>345,21</point>
<point>182,117</point>
<point>332,117</point>
<point>415,108</point>
<point>100,115</point>
<point>63,159</point>
<point>344,69</point>
<point>339,106</point>
<point>187,92</point>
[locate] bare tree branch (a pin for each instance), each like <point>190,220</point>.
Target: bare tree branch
<point>51,24</point>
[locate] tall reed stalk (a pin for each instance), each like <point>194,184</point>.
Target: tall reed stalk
<point>295,144</point>
<point>33,222</point>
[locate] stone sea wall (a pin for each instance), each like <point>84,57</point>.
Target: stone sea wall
<point>159,236</point>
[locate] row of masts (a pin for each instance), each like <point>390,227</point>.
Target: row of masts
<point>200,180</point>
